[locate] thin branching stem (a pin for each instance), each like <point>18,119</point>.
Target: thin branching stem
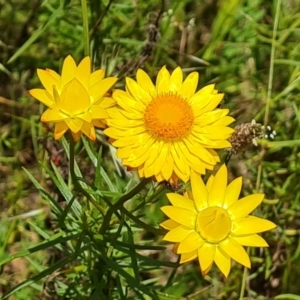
<point>243,286</point>
<point>85,23</point>
<point>75,180</point>
<point>119,204</point>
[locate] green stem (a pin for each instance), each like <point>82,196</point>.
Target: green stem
<point>75,180</point>
<point>85,24</point>
<point>119,204</point>
<point>243,286</point>
<point>141,223</point>
<point>272,59</point>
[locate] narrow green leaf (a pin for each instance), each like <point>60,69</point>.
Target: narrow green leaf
<point>43,192</point>
<point>287,297</point>
<point>39,32</point>
<point>53,240</point>
<point>131,280</point>
<point>63,188</point>
<point>39,276</point>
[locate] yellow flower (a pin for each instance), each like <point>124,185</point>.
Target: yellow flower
<point>169,129</point>
<point>76,99</point>
<point>214,225</point>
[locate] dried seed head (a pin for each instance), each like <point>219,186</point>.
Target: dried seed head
<point>247,134</point>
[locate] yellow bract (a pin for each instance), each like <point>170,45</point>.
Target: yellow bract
<point>214,225</point>
<point>76,99</point>
<point>168,130</point>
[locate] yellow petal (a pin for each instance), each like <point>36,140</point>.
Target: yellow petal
<point>74,97</point>
<point>125,141</point>
<point>137,92</point>
<point>186,257</point>
<point>107,102</point>
<point>180,215</point>
<point>220,132</point>
<point>204,141</point>
<point>43,96</point>
<point>253,240</point>
<point>203,96</point>
<point>145,82</point>
<point>222,261</point>
<point>210,182</point>
<point>214,154</point>
<point>190,243</point>
<point>206,271</point>
<point>197,150</point>
<point>176,80</point>
<point>155,150</point>
<point>200,194</point>
<point>86,116</point>
<point>209,117</point>
<point>221,144</point>
<point>53,115</point>
<point>149,171</point>
<point>218,188</point>
<point>177,234</point>
<point>198,168</point>
<point>89,130</point>
<point>96,76</point>
<point>98,112</point>
<point>124,124</point>
<point>182,166</point>
<point>116,113</point>
<point>118,133</point>
<point>193,161</point>
<point>169,224</point>
<point>160,160</point>
<point>233,249</point>
<point>127,102</point>
<point>99,123</point>
<point>180,201</point>
<point>60,129</point>
<point>250,225</point>
<point>204,103</point>
<point>206,255</point>
<point>83,72</point>
<point>134,115</point>
<point>54,75</point>
<point>68,70</point>
<point>163,81</point>
<point>168,167</point>
<point>99,89</point>
<point>76,136</point>
<point>133,152</point>
<point>224,121</point>
<point>245,206</point>
<point>189,85</point>
<point>74,124</point>
<point>114,133</point>
<point>185,177</point>
<point>47,80</point>
<point>233,191</point>
<point>138,157</point>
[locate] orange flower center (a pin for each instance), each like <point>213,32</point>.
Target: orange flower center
<point>168,116</point>
<point>213,224</point>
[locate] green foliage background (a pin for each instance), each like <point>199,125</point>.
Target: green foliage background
<point>50,245</point>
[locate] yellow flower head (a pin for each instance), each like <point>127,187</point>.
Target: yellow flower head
<point>76,99</point>
<point>214,225</point>
<point>168,129</point>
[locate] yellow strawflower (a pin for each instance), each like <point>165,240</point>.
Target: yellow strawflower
<point>214,225</point>
<point>168,130</point>
<point>76,99</point>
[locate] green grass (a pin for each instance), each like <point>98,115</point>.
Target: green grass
<point>49,238</point>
